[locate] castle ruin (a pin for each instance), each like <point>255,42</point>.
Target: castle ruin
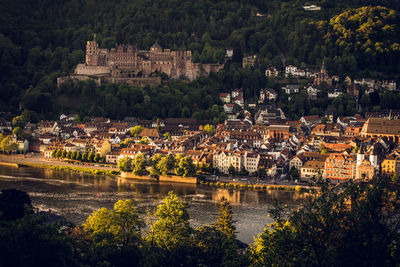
<point>127,62</point>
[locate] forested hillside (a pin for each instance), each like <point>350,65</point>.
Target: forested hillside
<point>41,40</point>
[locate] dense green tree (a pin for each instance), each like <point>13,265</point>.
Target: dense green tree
<point>168,136</point>
<point>58,153</point>
<point>136,130</point>
<point>119,227</point>
<point>210,129</point>
<point>171,232</point>
<point>358,219</point>
<point>185,167</point>
<point>125,164</point>
<point>97,158</point>
<point>166,164</point>
<point>215,248</point>
<point>17,131</point>
<point>19,121</point>
<point>144,141</point>
<point>153,161</point>
<point>90,157</point>
<point>5,144</point>
<point>139,164</point>
<point>127,142</point>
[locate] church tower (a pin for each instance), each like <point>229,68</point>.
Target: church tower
<point>323,69</point>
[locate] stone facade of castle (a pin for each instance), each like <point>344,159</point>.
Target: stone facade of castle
<point>126,61</point>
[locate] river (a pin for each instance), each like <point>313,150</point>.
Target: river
<point>76,196</point>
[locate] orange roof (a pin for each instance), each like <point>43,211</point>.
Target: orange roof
<point>351,129</point>
<point>338,146</point>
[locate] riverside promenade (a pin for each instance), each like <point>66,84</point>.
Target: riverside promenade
<point>37,159</point>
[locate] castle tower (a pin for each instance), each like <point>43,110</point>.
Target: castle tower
<point>92,53</point>
<point>156,47</point>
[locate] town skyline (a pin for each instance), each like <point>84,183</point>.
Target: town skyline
<point>200,133</point>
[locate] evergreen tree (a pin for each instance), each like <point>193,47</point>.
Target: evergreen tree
<point>225,222</point>
<point>97,158</point>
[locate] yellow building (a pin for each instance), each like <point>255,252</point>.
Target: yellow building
<point>390,165</point>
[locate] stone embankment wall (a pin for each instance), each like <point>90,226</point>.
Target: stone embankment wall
<point>161,178</point>
<point>178,179</point>
<point>15,165</point>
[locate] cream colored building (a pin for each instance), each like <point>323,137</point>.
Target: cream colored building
<point>251,162</point>
<point>223,159</point>
<point>312,168</point>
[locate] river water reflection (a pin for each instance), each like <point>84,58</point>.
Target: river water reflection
<point>75,196</point>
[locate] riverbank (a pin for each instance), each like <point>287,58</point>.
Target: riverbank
<point>15,165</point>
<point>71,169</point>
<point>161,178</point>
<point>260,187</point>
<point>39,162</point>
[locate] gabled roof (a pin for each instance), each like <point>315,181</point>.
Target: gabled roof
<point>152,133</point>
<point>381,126</point>
<point>311,118</point>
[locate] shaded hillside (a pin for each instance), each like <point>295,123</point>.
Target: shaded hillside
<point>41,40</point>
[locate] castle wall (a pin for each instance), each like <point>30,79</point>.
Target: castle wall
<point>212,67</point>
<point>82,69</point>
<point>136,81</point>
<point>75,78</point>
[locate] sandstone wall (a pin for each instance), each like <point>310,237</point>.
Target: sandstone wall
<point>178,179</point>
<point>74,78</point>
<point>83,69</point>
<point>170,178</point>
<point>132,176</point>
<point>135,81</point>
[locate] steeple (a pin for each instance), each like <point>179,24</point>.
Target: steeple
<point>323,69</point>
